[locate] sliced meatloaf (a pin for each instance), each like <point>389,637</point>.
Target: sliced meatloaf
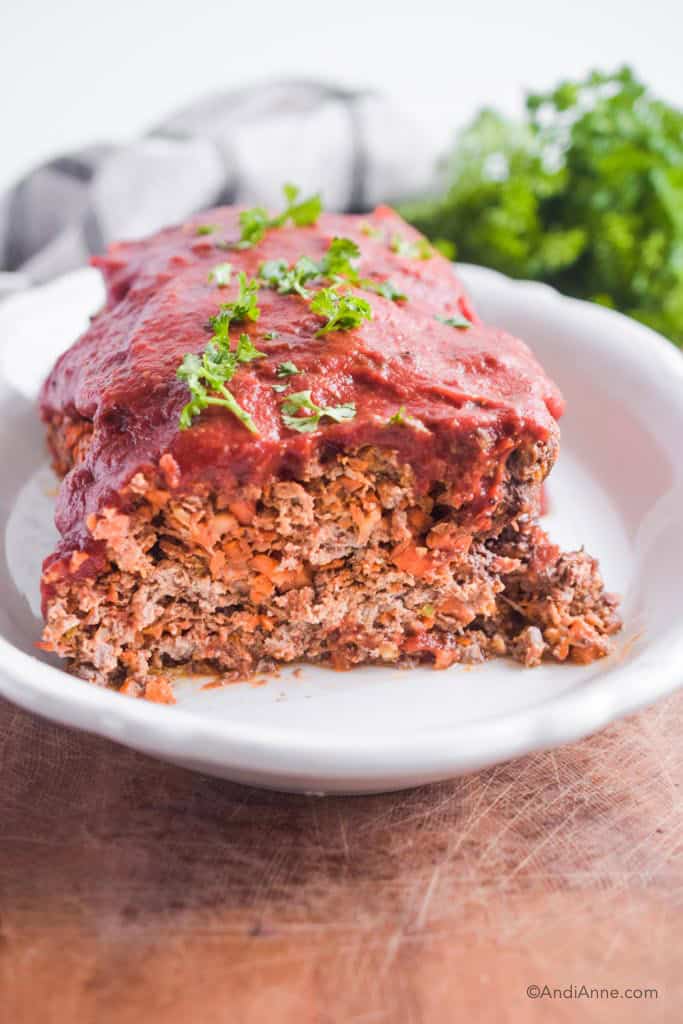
<point>347,468</point>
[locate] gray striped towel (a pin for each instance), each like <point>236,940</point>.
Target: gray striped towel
<point>237,147</point>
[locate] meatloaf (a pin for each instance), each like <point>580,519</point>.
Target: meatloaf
<point>300,443</point>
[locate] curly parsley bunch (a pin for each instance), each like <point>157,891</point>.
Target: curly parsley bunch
<point>586,193</point>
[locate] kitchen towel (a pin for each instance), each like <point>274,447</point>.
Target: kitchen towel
<point>354,146</point>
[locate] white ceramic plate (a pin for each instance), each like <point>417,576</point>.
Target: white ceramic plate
<point>618,488</point>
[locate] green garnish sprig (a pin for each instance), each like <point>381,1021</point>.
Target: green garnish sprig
<point>420,250</point>
<point>456,320</point>
<point>302,401</point>
<point>402,418</point>
<point>336,265</point>
<point>220,275</point>
<point>207,375</point>
<point>255,222</point>
<point>289,280</point>
<point>288,369</point>
<point>341,311</point>
<point>369,230</point>
<point>284,372</point>
<point>244,307</point>
<point>385,288</point>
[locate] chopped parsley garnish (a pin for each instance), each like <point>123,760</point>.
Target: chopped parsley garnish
<point>205,229</point>
<point>420,250</point>
<point>401,418</point>
<point>289,280</point>
<point>244,307</point>
<point>336,265</point>
<point>284,371</point>
<point>255,222</point>
<point>287,369</point>
<point>341,311</point>
<point>385,288</point>
<point>370,231</point>
<point>337,260</point>
<point>301,212</point>
<point>221,274</point>
<point>207,375</point>
<point>246,350</point>
<point>428,611</point>
<point>302,401</point>
<point>271,335</point>
<point>456,320</point>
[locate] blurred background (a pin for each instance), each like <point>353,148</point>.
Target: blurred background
<point>82,71</point>
<point>605,223</point>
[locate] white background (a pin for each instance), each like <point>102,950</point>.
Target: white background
<point>78,71</point>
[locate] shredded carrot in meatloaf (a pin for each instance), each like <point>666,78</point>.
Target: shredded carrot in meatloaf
<point>350,566</point>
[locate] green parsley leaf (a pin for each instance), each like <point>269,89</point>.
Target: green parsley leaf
<point>228,401</point>
<point>385,288</point>
<point>367,229</point>
<point>190,371</point>
<point>302,400</point>
<point>205,229</point>
<point>271,335</point>
<point>336,265</point>
<point>301,212</point>
<point>207,375</point>
<point>341,311</point>
<point>289,280</point>
<point>273,272</point>
<point>246,350</point>
<point>420,250</point>
<point>456,320</point>
<point>337,260</point>
<point>244,307</point>
<point>287,369</point>
<point>427,611</point>
<point>402,418</point>
<point>255,222</point>
<point>221,274</point>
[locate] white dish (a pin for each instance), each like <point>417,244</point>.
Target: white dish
<point>618,488</point>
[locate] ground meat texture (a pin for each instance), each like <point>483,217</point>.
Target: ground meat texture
<point>368,541</point>
<point>347,567</point>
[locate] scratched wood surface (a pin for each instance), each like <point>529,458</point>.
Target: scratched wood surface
<point>131,890</point>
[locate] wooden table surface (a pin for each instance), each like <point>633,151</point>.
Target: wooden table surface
<point>134,891</point>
